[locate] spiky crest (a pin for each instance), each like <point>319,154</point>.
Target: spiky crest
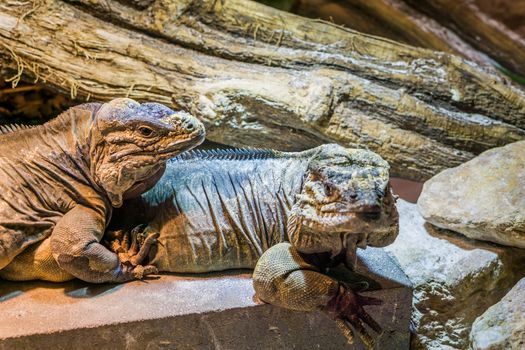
<point>229,154</point>
<point>9,128</point>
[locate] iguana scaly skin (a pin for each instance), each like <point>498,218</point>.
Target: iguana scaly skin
<point>59,182</point>
<point>289,215</point>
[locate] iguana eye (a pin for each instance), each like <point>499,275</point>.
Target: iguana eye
<point>146,131</point>
<point>329,189</point>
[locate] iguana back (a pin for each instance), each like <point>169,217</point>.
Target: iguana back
<point>226,209</point>
<point>220,209</point>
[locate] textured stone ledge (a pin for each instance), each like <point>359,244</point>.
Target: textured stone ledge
<point>215,311</point>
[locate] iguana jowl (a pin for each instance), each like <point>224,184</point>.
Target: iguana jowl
<point>289,215</point>
<point>59,182</point>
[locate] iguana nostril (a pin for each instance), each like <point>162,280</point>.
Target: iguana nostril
<point>190,126</point>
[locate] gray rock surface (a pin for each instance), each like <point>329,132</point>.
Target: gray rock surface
<point>483,198</point>
<point>204,311</point>
<point>502,326</point>
<point>455,279</point>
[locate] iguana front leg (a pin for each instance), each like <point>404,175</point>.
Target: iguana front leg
<point>283,278</point>
<point>76,248</point>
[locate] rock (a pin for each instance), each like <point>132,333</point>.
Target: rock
<point>483,198</point>
<point>191,311</point>
<point>502,326</point>
<point>455,279</point>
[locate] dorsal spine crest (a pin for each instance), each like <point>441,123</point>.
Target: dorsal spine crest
<point>229,154</point>
<point>9,128</point>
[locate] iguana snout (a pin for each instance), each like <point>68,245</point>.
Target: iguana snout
<point>130,143</point>
<point>345,202</point>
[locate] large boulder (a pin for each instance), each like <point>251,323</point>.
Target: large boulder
<point>502,326</point>
<point>455,279</point>
<point>483,198</point>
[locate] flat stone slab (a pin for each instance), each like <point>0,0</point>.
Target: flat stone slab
<point>206,311</point>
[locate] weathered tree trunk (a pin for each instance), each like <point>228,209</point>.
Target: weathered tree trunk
<point>393,19</point>
<point>260,77</point>
<point>482,24</point>
<point>481,30</point>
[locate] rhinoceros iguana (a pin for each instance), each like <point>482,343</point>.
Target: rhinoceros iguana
<point>288,215</point>
<point>59,182</point>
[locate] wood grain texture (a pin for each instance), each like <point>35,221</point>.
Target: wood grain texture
<point>494,27</point>
<point>393,19</point>
<point>257,76</point>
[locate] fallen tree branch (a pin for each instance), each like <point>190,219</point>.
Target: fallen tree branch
<point>477,22</point>
<point>393,19</point>
<point>260,77</point>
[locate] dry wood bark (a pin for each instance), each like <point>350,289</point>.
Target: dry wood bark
<point>257,76</point>
<point>393,19</point>
<point>495,27</point>
<point>482,30</point>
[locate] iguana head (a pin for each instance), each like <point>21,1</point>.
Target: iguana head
<point>130,143</point>
<point>345,202</point>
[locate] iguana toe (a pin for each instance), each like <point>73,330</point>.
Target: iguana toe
<point>145,248</point>
<point>132,247</point>
<point>347,309</point>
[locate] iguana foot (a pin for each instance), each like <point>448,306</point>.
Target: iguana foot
<point>133,249</point>
<point>346,308</point>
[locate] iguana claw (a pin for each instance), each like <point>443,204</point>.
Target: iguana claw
<point>133,249</point>
<point>347,309</point>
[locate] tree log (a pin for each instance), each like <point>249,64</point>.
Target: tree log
<point>393,19</point>
<point>257,76</point>
<point>484,31</point>
<point>495,27</point>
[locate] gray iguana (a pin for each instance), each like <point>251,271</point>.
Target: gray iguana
<point>59,182</point>
<point>288,215</point>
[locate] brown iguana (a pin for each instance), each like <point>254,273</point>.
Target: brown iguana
<point>59,181</point>
<point>289,215</point>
